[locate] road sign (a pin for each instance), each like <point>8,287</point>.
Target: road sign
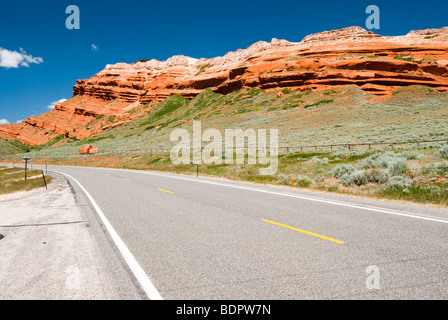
<point>26,160</point>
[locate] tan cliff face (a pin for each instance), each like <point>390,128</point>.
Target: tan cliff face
<point>377,64</point>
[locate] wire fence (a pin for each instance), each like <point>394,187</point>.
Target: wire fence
<point>318,148</point>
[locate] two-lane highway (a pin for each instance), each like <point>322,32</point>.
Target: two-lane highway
<point>201,238</point>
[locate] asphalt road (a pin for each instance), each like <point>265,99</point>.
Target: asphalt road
<point>204,238</point>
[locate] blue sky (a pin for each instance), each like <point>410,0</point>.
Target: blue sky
<point>126,31</point>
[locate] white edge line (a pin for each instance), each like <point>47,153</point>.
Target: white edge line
<point>306,198</point>
<point>344,204</point>
<point>135,267</point>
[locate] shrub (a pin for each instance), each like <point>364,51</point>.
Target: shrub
<point>202,67</point>
<point>342,169</point>
<point>302,181</point>
<point>397,166</point>
<point>396,163</point>
<point>318,103</point>
<point>376,175</point>
<point>346,179</point>
<point>432,36</point>
<point>436,169</point>
<point>399,183</point>
<point>363,177</point>
<point>287,91</point>
<point>319,178</point>
<point>368,163</point>
<point>410,155</point>
<point>404,57</point>
<point>383,177</point>
<point>359,177</point>
<point>443,151</point>
<point>385,160</point>
<point>318,160</point>
<point>284,179</point>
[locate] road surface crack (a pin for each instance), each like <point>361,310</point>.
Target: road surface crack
<point>41,224</point>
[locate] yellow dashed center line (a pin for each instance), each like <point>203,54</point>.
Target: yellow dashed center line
<point>303,231</point>
<point>165,191</point>
<point>128,179</point>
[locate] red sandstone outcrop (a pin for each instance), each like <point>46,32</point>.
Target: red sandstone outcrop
<point>377,64</point>
<point>89,149</point>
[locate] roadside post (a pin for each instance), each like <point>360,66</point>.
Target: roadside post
<point>197,167</point>
<point>45,182</point>
<point>26,160</point>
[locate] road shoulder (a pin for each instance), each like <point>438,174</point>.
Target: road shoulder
<point>54,248</point>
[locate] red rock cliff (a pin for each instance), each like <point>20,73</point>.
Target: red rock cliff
<point>377,64</point>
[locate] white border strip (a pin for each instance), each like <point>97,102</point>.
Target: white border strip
<point>333,202</point>
<point>135,267</point>
<point>344,204</point>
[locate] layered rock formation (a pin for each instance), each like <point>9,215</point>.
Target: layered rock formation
<point>377,64</point>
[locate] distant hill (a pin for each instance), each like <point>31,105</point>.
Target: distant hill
<point>375,65</point>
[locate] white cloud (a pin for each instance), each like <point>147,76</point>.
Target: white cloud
<point>14,59</point>
<point>19,121</point>
<point>4,121</point>
<point>94,47</point>
<point>51,106</point>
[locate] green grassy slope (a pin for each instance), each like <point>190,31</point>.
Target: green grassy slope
<point>11,147</point>
<point>339,115</point>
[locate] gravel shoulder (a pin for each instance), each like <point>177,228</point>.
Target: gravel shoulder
<point>54,248</point>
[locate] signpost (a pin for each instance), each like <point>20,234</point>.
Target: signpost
<point>26,160</point>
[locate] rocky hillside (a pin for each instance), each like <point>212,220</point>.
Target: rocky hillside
<point>350,56</point>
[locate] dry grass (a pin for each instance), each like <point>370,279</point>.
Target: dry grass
<point>13,180</point>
